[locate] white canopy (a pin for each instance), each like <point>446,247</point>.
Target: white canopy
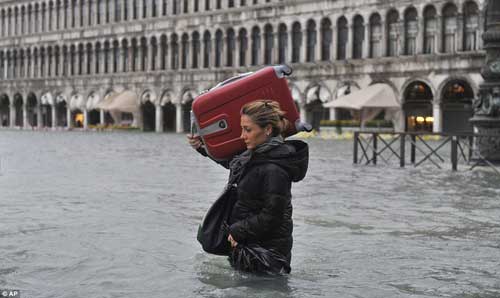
<point>126,101</point>
<point>374,96</point>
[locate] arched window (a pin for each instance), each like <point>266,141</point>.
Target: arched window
<point>118,10</point>
<point>50,54</point>
<point>175,7</point>
<point>23,18</point>
<point>42,19</point>
<point>185,50</point>
<point>218,48</point>
<point>57,61</point>
<point>72,60</point>
<point>231,46</point>
<point>174,46</point>
<point>116,56</point>
<point>125,10</point>
<point>296,41</point>
<point>186,6</point>
<point>358,38</point>
<point>342,36</point>
<point>457,106</point>
<point>417,107</point>
<point>73,13</point>
<point>134,9</point>
<point>164,7</point>
<point>449,28</point>
<point>145,54</point>
<point>82,5</point>
<point>430,30</point>
<point>90,58</point>
<point>375,36</point>
<point>144,9</point>
<point>326,39</point>
<point>66,14</point>
<point>16,20</point>
<point>135,55</point>
<point>2,22</point>
<point>97,62</point>
<point>268,44</point>
<point>125,52</point>
<point>207,49</point>
<point>196,49</point>
<point>154,9</point>
<point>106,57</point>
<point>393,33</point>
<point>243,41</point>
<point>255,45</point>
<point>154,53</point>
<point>311,41</point>
<point>163,52</point>
<point>471,24</point>
<point>282,43</point>
<point>411,31</point>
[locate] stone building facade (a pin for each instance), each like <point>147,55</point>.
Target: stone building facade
<point>60,58</point>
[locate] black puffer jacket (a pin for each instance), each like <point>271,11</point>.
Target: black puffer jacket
<point>262,213</point>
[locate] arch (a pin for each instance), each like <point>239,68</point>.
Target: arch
<point>169,112</point>
<point>430,29</point>
<point>268,44</point>
<point>316,95</point>
<point>18,106</point>
<point>392,33</point>
<point>243,43</point>
<point>296,42</point>
<point>4,110</point>
<point>61,107</point>
<point>218,47</point>
<point>31,109</point>
<point>230,47</point>
<point>310,40</point>
<point>450,28</point>
<point>457,96</point>
<point>326,39</point>
<point>358,37</point>
<point>207,48</point>
<point>417,106</point>
<point>471,26</point>
<point>342,38</point>
<point>411,31</point>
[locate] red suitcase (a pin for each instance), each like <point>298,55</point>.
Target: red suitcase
<point>215,114</point>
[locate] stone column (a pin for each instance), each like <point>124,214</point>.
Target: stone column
<point>102,117</point>
<point>68,118</point>
<point>335,42</point>
<point>54,120</point>
<point>38,115</point>
<point>149,60</point>
<point>178,118</point>
<point>85,119</point>
<point>26,123</point>
<point>159,118</point>
<point>77,14</point>
<point>188,54</point>
<point>333,114</point>
<point>436,114</point>
<point>303,112</point>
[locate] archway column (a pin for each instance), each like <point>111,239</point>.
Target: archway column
<point>333,114</point>
<point>26,124</point>
<point>85,119</point>
<point>68,118</point>
<point>437,113</point>
<point>179,127</point>
<point>102,117</point>
<point>159,118</point>
<point>12,118</point>
<point>303,112</point>
<point>39,115</point>
<point>54,120</point>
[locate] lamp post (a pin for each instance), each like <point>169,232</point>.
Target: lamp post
<point>486,119</point>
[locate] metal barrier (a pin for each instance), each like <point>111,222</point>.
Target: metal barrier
<point>462,148</point>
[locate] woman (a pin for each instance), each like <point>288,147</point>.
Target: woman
<point>262,214</point>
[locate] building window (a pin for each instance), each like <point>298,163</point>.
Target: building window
<point>145,54</point>
<point>471,25</point>
<point>231,46</point>
<point>196,49</point>
<point>154,13</point>
<point>430,30</point>
<point>243,40</point>
<point>255,45</point>
<point>393,33</point>
<point>163,52</point>
<point>144,9</point>
<point>268,44</point>
<point>358,38</point>
<point>311,41</point>
<point>411,31</point>
<point>449,28</point>
<point>154,53</point>
<point>296,42</point>
<point>206,49</point>
<point>185,51</point>
<point>134,9</point>
<point>164,7</point>
<point>174,46</point>
<point>186,6</point>
<point>118,10</point>
<point>218,48</point>
<point>125,10</point>
<point>342,38</point>
<point>326,39</point>
<point>282,43</point>
<point>375,36</point>
<point>207,4</point>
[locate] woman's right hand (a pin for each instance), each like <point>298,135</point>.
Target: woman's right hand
<point>194,141</point>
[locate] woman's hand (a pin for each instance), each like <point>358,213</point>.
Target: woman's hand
<point>194,141</point>
<point>233,242</point>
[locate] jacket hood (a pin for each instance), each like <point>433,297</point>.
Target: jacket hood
<point>292,155</point>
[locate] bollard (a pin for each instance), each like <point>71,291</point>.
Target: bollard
<point>374,148</point>
<point>355,150</point>
<point>412,148</point>
<point>402,150</point>
<point>454,153</point>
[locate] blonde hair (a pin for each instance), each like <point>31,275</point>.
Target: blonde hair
<point>265,112</point>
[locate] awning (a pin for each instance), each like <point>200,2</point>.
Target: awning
<point>373,96</point>
<point>126,101</point>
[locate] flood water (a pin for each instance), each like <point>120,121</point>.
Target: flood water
<point>86,214</point>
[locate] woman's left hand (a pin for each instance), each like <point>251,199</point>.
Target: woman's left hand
<point>233,242</point>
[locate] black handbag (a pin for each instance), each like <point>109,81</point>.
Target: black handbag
<point>213,231</point>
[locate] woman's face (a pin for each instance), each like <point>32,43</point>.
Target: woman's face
<point>252,134</point>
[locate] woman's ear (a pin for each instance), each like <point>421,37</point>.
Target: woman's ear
<point>269,130</point>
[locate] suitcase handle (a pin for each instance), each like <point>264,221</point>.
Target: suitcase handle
<point>232,79</point>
